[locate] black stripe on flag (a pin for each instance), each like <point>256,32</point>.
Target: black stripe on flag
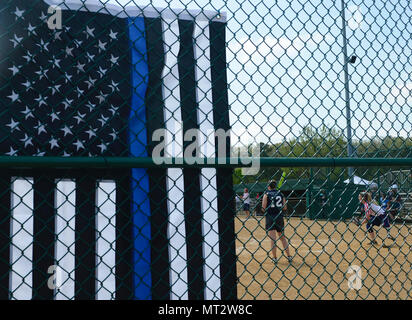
<point>157,177</point>
<point>224,182</point>
<point>124,243</point>
<point>192,193</point>
<point>5,210</point>
<point>43,235</point>
<point>85,237</point>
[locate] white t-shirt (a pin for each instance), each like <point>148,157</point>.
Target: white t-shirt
<point>376,210</point>
<point>246,198</point>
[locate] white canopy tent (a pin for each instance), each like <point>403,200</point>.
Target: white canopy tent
<point>358,180</point>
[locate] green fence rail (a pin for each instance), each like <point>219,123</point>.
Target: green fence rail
<point>124,162</point>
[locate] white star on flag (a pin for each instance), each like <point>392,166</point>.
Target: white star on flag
<point>79,92</point>
<point>66,130</point>
<point>80,67</point>
<point>103,120</point>
<point>39,153</point>
<point>15,70</point>
<point>40,128</point>
<point>43,45</point>
<point>113,35</point>
<point>90,83</point>
<point>42,73</point>
<point>19,13</point>
<point>102,46</point>
<point>101,72</point>
<point>113,134</point>
<point>53,143</point>
<point>27,113</point>
<point>67,103</point>
<point>79,117</point>
<point>89,32</point>
<point>90,57</point>
<point>102,97</point>
<point>43,17</point>
<point>102,147</point>
<point>16,41</point>
<point>91,133</point>
<point>69,52</point>
<point>114,60</point>
<point>12,152</point>
<point>55,116</point>
<point>41,100</point>
<point>55,62</point>
<point>67,78</point>
<point>13,125</point>
<point>113,109</point>
<point>78,43</point>
<point>79,145</point>
<point>29,57</point>
<point>27,140</point>
<point>28,84</point>
<point>55,89</point>
<point>114,86</point>
<point>57,35</point>
<point>90,106</point>
<point>30,30</point>
<point>14,96</point>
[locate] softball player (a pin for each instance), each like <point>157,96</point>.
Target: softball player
<point>275,203</point>
<point>375,216</point>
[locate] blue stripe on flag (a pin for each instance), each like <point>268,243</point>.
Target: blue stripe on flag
<point>140,182</point>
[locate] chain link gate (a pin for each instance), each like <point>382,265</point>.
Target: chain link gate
<point>131,129</point>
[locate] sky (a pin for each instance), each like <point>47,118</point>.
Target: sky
<point>285,65</point>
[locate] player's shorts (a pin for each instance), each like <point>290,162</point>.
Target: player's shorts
<point>377,221</point>
<point>246,207</point>
<point>275,222</point>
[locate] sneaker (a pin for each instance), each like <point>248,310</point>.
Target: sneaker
<point>391,238</point>
<point>290,259</point>
<point>275,260</point>
<point>373,242</point>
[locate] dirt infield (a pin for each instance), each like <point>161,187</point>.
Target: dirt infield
<point>323,252</point>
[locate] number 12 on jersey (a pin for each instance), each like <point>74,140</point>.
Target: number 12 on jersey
<point>276,202</point>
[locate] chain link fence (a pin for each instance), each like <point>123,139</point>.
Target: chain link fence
<point>205,150</point>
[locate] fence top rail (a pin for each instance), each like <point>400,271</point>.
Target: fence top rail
<point>147,162</point>
<point>133,10</point>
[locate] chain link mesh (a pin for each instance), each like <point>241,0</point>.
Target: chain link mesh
<point>283,79</point>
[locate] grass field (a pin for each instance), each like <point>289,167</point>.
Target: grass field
<point>323,252</point>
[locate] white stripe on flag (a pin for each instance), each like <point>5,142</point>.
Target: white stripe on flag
<point>105,240</point>
<point>21,281</point>
<point>208,188</point>
<point>65,204</point>
<point>174,147</point>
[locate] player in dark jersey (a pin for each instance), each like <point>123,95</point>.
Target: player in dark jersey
<point>275,203</point>
<point>394,202</point>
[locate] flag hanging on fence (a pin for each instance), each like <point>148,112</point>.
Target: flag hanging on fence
<point>101,85</point>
